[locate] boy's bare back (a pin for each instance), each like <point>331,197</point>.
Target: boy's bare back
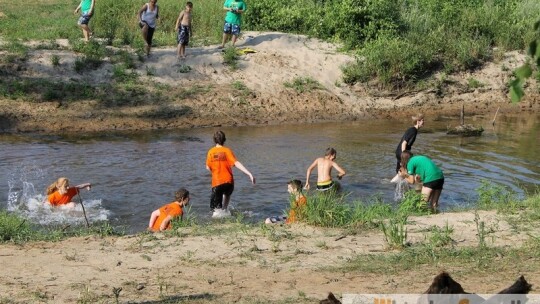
<point>324,169</point>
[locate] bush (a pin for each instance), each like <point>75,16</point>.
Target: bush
<point>14,228</point>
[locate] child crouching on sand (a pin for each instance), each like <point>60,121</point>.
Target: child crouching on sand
<point>161,218</point>
<point>60,193</point>
<point>294,187</point>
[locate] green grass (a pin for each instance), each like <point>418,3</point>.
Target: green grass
<point>230,57</point>
<point>303,84</point>
<point>14,228</point>
<point>114,20</point>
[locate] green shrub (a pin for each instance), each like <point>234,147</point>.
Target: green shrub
<point>230,57</point>
<point>326,209</point>
<point>395,231</point>
<point>14,228</point>
<point>303,84</point>
<point>413,204</point>
<point>491,196</point>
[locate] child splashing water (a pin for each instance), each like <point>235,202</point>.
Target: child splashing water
<point>60,193</point>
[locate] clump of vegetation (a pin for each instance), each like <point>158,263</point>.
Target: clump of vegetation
<point>395,232</point>
<point>493,196</point>
<point>55,60</point>
<point>303,84</point>
<point>93,54</point>
<point>230,57</point>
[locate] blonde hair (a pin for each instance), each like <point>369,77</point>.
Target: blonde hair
<point>62,182</point>
<point>417,117</point>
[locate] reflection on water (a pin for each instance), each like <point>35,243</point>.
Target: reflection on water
<point>134,174</point>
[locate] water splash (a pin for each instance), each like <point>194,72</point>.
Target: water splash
<point>24,200</point>
<point>401,187</point>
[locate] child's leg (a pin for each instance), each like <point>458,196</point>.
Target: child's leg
<point>435,198</point>
<point>226,199</point>
<point>426,194</point>
<point>86,32</point>
<point>144,31</point>
<point>225,38</point>
<point>183,51</point>
<point>234,38</point>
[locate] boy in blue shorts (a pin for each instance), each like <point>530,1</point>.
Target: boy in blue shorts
<point>233,20</point>
<point>184,29</point>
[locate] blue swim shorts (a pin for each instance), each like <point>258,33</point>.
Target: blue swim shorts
<point>231,29</point>
<point>85,18</point>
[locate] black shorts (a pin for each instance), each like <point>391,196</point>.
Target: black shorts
<point>435,185</point>
<point>216,200</point>
<point>150,35</point>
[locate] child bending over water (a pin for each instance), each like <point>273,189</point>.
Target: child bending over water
<point>161,218</point>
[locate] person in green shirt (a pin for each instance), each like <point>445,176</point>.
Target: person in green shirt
<point>87,10</point>
<point>420,168</point>
<point>233,20</point>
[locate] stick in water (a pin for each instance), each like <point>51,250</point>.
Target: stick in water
<point>83,210</point>
<point>493,121</point>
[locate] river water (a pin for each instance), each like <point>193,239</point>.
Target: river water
<point>135,173</point>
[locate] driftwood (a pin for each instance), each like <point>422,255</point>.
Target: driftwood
<point>465,130</point>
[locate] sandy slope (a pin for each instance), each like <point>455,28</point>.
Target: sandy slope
<point>237,265</point>
<point>280,58</point>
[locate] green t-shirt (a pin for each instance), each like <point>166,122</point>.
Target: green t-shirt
<point>425,167</point>
<point>234,18</point>
<point>85,6</point>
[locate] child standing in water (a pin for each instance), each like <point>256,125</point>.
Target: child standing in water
<point>324,171</point>
<point>419,168</point>
<point>407,140</point>
<point>161,218</point>
<point>294,187</point>
<point>184,29</point>
<point>60,193</point>
<point>219,161</point>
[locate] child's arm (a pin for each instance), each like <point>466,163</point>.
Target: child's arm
<point>92,7</point>
<point>309,173</point>
<point>139,14</point>
<point>165,223</point>
<point>78,8</point>
<point>409,178</point>
<point>341,172</point>
<point>85,185</point>
<point>243,169</point>
<point>153,219</point>
<point>180,16</point>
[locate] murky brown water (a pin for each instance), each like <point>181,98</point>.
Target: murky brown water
<point>134,174</point>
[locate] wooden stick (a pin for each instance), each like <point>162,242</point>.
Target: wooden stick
<point>83,210</point>
<point>493,121</point>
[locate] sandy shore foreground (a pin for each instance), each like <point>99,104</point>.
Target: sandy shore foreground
<point>230,263</point>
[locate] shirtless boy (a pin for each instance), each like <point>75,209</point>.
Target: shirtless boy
<point>184,29</point>
<point>324,171</point>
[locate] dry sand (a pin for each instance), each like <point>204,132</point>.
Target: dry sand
<point>240,265</point>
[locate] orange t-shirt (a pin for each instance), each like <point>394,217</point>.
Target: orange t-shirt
<point>299,203</point>
<point>173,209</point>
<point>220,160</point>
<point>57,199</point>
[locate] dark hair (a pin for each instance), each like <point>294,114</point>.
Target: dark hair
<point>181,194</point>
<point>330,151</point>
<point>189,4</point>
<point>405,157</point>
<point>296,184</point>
<point>219,137</point>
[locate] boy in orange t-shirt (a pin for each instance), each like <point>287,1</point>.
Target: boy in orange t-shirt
<point>219,161</point>
<point>60,193</point>
<point>161,218</point>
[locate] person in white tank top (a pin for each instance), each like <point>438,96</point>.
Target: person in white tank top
<point>148,16</point>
